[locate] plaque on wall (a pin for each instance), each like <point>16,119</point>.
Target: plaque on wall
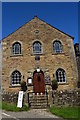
<point>29,81</point>
<point>47,80</point>
<point>37,57</point>
<point>36,32</point>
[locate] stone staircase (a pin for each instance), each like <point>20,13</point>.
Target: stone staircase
<point>38,101</point>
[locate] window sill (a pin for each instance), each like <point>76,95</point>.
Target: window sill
<point>13,86</point>
<point>16,55</point>
<point>58,53</point>
<point>63,83</point>
<point>34,54</point>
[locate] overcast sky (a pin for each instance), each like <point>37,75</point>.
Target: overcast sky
<point>63,16</point>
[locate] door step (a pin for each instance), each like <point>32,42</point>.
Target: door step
<point>38,101</point>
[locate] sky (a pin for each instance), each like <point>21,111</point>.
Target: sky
<point>62,15</point>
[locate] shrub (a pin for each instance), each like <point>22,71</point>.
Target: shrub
<point>54,84</point>
<point>23,86</point>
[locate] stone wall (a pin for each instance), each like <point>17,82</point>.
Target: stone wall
<point>60,98</point>
<point>66,97</point>
<point>10,97</point>
<point>78,65</point>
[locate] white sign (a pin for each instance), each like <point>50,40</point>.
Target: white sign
<point>20,99</point>
<point>29,80</point>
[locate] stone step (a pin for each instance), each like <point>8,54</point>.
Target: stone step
<point>39,96</point>
<point>38,107</point>
<point>38,101</point>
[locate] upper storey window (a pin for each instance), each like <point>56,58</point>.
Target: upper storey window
<point>57,47</point>
<point>16,48</point>
<point>37,47</point>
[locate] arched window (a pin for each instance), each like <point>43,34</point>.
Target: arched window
<point>16,48</point>
<point>37,47</point>
<point>60,75</point>
<point>15,78</point>
<point>57,47</point>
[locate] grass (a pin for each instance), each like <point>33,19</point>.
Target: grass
<point>0,105</point>
<point>12,107</point>
<point>66,112</point>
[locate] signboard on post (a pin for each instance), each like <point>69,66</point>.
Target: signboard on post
<point>20,99</point>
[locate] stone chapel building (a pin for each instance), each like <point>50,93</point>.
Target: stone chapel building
<point>37,53</point>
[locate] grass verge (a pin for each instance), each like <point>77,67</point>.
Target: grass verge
<point>0,105</point>
<point>66,112</point>
<point>12,107</point>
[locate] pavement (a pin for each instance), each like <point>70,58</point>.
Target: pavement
<point>38,114</point>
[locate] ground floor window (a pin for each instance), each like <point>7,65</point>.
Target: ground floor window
<point>16,78</point>
<point>61,76</point>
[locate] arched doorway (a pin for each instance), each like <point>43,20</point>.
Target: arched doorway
<point>38,82</point>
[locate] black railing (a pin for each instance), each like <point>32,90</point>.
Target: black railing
<point>29,104</point>
<point>47,97</point>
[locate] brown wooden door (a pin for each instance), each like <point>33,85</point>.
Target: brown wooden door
<point>38,82</point>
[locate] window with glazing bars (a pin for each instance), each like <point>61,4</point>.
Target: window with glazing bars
<point>37,47</point>
<point>16,78</point>
<point>57,47</point>
<point>60,75</point>
<point>16,48</point>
